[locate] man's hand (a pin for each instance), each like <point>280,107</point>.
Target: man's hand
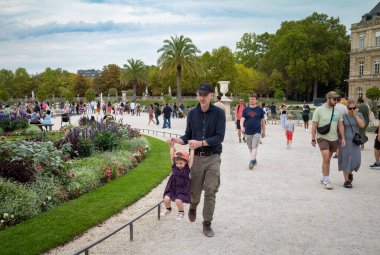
<point>193,144</point>
<point>343,142</point>
<point>313,143</point>
<point>263,134</point>
<point>243,130</point>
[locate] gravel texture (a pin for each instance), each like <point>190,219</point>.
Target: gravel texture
<point>279,207</point>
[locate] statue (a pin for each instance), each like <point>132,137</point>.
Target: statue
<point>170,91</point>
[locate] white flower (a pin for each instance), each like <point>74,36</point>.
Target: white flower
<point>6,215</point>
<point>2,221</point>
<point>12,216</point>
<point>49,198</point>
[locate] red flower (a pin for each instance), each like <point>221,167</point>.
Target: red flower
<point>140,150</point>
<point>108,172</point>
<point>39,168</point>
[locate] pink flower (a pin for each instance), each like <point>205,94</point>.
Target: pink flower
<point>39,168</point>
<point>72,175</point>
<point>2,137</point>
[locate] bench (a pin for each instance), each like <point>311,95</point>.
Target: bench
<point>44,125</point>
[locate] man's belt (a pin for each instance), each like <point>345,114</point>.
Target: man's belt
<point>205,153</point>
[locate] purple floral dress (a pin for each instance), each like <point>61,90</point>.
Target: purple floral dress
<point>178,186</point>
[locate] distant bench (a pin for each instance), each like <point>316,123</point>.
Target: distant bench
<point>44,125</point>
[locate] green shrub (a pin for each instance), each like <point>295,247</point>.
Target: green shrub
<point>48,192</point>
<point>106,141</point>
<point>134,144</point>
<point>31,130</point>
<point>9,125</point>
<point>16,199</point>
<point>86,148</point>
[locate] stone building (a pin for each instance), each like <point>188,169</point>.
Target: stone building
<point>365,54</point>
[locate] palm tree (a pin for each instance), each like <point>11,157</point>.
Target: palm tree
<point>134,72</point>
<point>178,54</point>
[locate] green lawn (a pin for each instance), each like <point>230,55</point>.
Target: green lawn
<point>70,219</point>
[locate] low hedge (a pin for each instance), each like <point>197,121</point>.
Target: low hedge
<point>61,224</point>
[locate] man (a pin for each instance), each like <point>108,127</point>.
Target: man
<point>364,110</point>
<point>253,126</point>
<point>376,165</point>
<point>238,112</point>
<point>219,104</point>
<point>328,143</point>
<point>273,112</point>
<point>167,111</point>
<point>205,129</point>
<point>343,109</point>
<point>132,106</point>
<point>305,115</point>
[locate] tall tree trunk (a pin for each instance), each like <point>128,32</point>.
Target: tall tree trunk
<point>315,92</point>
<point>134,91</point>
<point>179,90</point>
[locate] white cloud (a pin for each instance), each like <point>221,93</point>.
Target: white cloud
<point>81,34</point>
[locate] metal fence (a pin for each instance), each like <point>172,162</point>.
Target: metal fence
<point>86,250</point>
<point>150,131</point>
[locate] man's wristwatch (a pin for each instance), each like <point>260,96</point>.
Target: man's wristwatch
<point>313,140</point>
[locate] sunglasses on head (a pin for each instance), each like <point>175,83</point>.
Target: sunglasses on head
<point>351,108</point>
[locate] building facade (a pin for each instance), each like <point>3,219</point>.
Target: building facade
<point>89,72</point>
<point>365,54</point>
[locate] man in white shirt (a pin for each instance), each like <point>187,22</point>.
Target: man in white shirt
<point>133,106</point>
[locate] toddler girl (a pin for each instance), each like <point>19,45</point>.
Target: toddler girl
<point>178,187</point>
<point>289,130</point>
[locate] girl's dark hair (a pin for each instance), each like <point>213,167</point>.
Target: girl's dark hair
<point>48,112</point>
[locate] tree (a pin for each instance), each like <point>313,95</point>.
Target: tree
<point>4,95</point>
<point>154,80</point>
<point>112,92</point>
<point>244,80</point>
<point>373,94</point>
<point>279,94</point>
<point>134,72</point>
<point>178,54</point>
<point>6,81</point>
<point>50,84</point>
<point>90,95</point>
<point>251,48</point>
<point>81,85</point>
<point>309,52</point>
<point>110,78</point>
<point>22,82</point>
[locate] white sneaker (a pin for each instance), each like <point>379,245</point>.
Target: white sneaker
<point>180,215</point>
<point>165,212</point>
<point>306,129</point>
<point>321,180</point>
<point>327,185</point>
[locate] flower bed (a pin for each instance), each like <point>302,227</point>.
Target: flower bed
<point>38,175</point>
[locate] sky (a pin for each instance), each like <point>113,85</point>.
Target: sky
<point>89,34</point>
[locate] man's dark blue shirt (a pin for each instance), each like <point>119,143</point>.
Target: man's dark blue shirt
<point>209,126</point>
<point>167,111</point>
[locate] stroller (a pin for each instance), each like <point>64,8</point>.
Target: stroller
<point>181,114</point>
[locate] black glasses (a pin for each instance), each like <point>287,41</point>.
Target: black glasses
<point>333,98</point>
<point>351,108</point>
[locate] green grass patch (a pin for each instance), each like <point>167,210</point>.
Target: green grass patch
<point>63,223</point>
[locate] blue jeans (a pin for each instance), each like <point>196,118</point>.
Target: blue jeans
<point>166,123</point>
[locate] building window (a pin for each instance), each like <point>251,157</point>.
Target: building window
<point>361,68</point>
<point>359,92</point>
<point>376,67</point>
<point>377,39</point>
<point>361,41</point>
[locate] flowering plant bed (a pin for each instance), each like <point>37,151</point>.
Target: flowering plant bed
<point>37,175</point>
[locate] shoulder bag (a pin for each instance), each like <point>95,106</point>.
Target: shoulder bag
<point>326,128</point>
<point>357,139</point>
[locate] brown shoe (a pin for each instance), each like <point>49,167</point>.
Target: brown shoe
<point>192,214</point>
<point>207,230</point>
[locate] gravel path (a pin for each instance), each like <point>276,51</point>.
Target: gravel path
<point>277,208</point>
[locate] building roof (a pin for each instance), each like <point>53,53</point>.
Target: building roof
<point>373,13</point>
